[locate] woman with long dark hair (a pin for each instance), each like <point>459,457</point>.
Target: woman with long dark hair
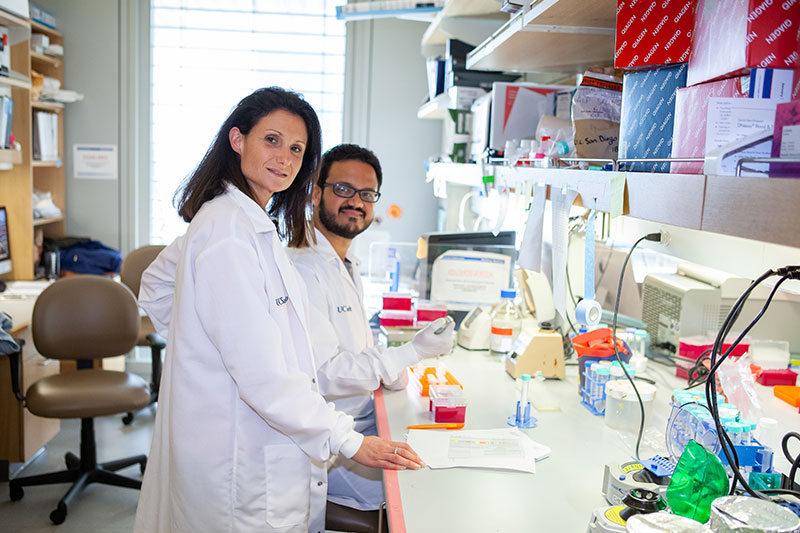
<point>242,433</point>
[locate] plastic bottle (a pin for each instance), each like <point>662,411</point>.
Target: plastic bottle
<point>524,152</point>
<point>506,323</point>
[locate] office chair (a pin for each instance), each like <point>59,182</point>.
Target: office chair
<point>78,318</point>
<point>341,518</point>
<point>131,275</point>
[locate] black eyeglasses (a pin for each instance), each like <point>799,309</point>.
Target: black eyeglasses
<point>343,190</point>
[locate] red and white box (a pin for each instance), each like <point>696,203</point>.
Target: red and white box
<point>651,33</point>
<point>394,318</point>
<point>399,301</point>
<point>732,35</point>
<point>691,109</point>
<point>428,311</point>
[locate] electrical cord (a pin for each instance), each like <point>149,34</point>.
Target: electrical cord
<point>711,389</point>
<point>794,460</point>
<point>699,371</point>
<point>788,272</point>
<point>649,237</point>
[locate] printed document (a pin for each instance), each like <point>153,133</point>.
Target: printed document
<point>733,119</point>
<point>505,449</point>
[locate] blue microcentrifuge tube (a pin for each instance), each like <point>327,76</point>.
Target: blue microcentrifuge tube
<point>522,418</point>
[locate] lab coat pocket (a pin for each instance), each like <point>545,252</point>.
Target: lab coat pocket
<point>288,478</point>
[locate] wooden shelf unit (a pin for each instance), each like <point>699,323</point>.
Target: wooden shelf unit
<point>26,175</point>
<point>551,36</point>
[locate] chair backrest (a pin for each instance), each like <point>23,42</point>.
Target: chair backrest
<point>85,317</point>
<point>135,263</point>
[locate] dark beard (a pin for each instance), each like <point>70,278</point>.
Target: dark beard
<point>329,223</point>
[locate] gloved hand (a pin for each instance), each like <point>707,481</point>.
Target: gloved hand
<point>428,344</point>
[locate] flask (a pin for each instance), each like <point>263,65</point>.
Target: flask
<point>506,323</point>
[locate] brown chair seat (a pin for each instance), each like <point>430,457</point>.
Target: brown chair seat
<point>87,393</point>
<point>342,518</point>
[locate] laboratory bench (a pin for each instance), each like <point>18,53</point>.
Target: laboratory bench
<point>566,487</point>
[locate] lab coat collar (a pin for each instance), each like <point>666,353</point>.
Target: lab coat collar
<point>325,249</point>
<point>259,217</point>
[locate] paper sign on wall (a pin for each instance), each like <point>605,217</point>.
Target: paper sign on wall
<point>95,161</point>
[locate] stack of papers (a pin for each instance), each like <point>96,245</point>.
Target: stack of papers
<point>506,449</point>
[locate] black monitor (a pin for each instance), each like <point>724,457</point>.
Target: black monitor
<point>5,248</point>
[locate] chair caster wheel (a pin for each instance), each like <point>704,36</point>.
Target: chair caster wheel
<point>16,493</point>
<point>72,460</point>
<point>127,419</point>
<point>59,515</point>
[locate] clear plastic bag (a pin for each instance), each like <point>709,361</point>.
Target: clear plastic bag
<point>738,385</point>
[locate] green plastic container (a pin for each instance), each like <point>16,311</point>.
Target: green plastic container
<point>698,480</point>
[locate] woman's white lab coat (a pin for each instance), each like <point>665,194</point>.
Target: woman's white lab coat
<point>241,432</point>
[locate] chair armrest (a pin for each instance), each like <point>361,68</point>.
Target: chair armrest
<point>14,361</point>
<point>157,340</point>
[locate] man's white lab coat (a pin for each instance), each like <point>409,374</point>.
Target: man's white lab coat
<point>241,432</point>
<point>350,367</point>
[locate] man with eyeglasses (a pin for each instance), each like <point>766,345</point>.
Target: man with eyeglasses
<point>344,200</point>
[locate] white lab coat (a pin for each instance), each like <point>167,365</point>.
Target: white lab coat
<point>350,366</point>
<point>241,432</point>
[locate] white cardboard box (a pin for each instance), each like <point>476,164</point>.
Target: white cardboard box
<point>516,109</point>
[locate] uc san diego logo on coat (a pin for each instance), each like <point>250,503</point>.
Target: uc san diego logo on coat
<point>281,301</point>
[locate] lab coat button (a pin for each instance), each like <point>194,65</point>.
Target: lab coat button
<point>319,483</point>
<point>313,380</point>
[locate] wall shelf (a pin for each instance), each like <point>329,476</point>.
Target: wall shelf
<point>43,164</point>
<point>46,221</point>
<point>436,108</point>
<point>551,36</point>
<point>14,82</point>
<point>9,19</point>
<point>41,28</point>
<point>36,57</point>
<point>765,208</point>
<point>47,106</point>
<point>9,155</point>
<point>458,15</point>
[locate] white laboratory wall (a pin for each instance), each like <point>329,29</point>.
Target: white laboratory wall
<point>91,31</point>
<point>385,83</point>
<point>743,257</point>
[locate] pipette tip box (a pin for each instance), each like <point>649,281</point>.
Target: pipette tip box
<point>448,403</point>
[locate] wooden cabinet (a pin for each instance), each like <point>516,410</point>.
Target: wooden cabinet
<point>26,175</point>
<point>23,434</point>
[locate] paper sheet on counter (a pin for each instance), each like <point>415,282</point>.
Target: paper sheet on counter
<point>505,449</point>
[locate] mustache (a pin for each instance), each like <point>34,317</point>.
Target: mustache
<point>351,208</point>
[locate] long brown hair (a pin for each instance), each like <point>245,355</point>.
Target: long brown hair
<point>222,165</point>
